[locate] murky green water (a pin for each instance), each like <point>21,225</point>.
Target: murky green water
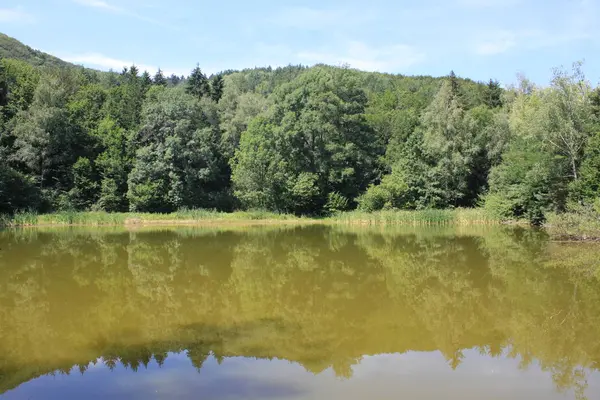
<point>298,313</point>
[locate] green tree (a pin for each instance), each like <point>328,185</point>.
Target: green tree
<point>124,102</point>
<point>3,87</point>
<point>442,158</point>
<point>197,84</point>
<point>113,164</point>
<point>550,128</point>
<point>174,80</point>
<point>85,191</point>
<point>587,187</point>
<point>236,110</point>
<point>454,84</point>
<point>216,88</point>
<point>159,78</point>
<point>20,82</point>
<point>177,163</point>
<point>258,169</point>
<point>493,94</point>
<point>569,115</point>
<point>595,103</point>
<point>146,80</point>
<point>46,143</point>
<point>391,193</point>
<point>86,107</point>
<point>527,183</point>
<point>313,140</point>
<point>131,74</point>
<point>17,191</point>
<point>447,147</point>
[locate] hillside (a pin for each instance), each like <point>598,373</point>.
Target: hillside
<point>300,140</point>
<point>12,48</point>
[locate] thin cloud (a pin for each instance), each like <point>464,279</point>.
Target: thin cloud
<point>317,19</point>
<point>394,58</point>
<point>105,6</point>
<point>103,62</point>
<point>99,4</point>
<point>578,23</point>
<point>16,15</point>
<point>500,43</point>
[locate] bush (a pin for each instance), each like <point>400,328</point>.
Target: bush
<point>390,193</point>
<point>375,199</point>
<point>305,193</point>
<point>336,203</point>
<point>580,222</point>
<point>498,206</point>
<point>17,192</point>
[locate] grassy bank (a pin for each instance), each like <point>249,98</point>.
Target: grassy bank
<point>584,225</point>
<point>460,216</point>
<point>116,219</point>
<point>570,226</point>
<point>398,217</point>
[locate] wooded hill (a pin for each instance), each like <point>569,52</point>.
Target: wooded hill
<point>294,139</point>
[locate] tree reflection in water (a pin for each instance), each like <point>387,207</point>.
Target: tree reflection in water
<point>322,297</point>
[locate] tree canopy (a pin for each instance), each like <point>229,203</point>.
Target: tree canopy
<point>294,139</point>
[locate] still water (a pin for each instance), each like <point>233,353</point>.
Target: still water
<point>298,313</point>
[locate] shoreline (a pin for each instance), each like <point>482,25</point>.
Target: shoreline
<point>456,217</point>
<point>166,223</point>
<point>202,218</point>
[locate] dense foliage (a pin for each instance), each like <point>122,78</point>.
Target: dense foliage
<point>12,48</point>
<point>295,139</point>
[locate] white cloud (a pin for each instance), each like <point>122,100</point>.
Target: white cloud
<point>393,58</point>
<point>499,43</point>
<point>103,62</point>
<point>15,15</point>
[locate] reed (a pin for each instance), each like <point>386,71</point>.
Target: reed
<point>582,225</point>
<point>459,216</point>
<point>100,218</point>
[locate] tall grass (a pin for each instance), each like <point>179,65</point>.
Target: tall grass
<point>392,217</point>
<point>459,216</point>
<point>583,225</point>
<point>21,218</point>
<point>99,218</point>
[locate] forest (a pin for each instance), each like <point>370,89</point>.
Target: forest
<point>300,140</point>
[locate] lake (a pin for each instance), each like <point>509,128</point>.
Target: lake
<point>302,312</point>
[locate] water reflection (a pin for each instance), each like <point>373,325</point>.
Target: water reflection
<point>326,299</point>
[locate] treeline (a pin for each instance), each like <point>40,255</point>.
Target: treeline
<point>296,140</point>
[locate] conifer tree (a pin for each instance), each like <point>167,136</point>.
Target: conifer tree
<point>216,88</point>
<point>197,84</point>
<point>159,78</point>
<point>454,85</point>
<point>493,94</point>
<point>146,80</point>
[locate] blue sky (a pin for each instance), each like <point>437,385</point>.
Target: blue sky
<point>480,39</point>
